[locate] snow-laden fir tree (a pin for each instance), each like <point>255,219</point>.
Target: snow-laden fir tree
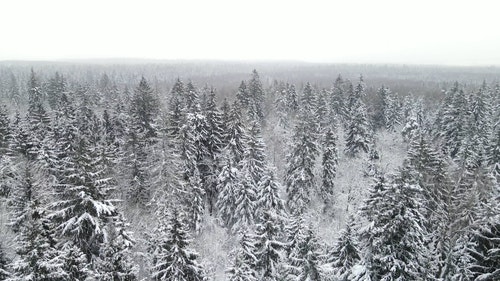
<point>299,176</point>
<point>143,110</point>
<point>268,197</point>
<point>337,97</point>
<point>253,164</point>
<point>214,145</point>
<point>114,261</point>
<point>244,264</point>
<point>175,106</point>
<point>37,255</point>
<point>452,119</point>
<point>329,166</point>
<point>173,258</point>
<point>345,253</point>
<point>228,183</point>
<point>236,134</point>
<point>393,237</point>
<point>358,130</point>
<point>83,207</point>
<point>305,260</point>
<point>255,92</point>
<point>4,263</point>
<point>269,249</point>
<point>245,196</point>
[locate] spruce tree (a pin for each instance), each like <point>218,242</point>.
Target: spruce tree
<point>173,258</point>
<point>256,98</point>
<point>329,166</point>
<point>305,258</point>
<point>268,249</point>
<point>4,263</point>
<point>345,254</point>
<point>393,239</point>
<point>243,267</point>
<point>228,183</point>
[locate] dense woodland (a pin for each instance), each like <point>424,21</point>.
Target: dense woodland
<point>118,173</point>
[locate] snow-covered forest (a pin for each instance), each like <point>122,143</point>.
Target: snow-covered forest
<point>214,171</point>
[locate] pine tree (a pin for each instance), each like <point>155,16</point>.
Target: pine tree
<point>173,259</point>
<point>38,258</point>
<point>83,207</point>
<point>299,177</point>
<point>358,132</point>
<point>393,239</point>
<point>243,267</point>
<point>329,169</point>
<point>75,263</point>
<point>4,273</point>
<point>143,109</point>
<point>175,106</point>
<point>114,261</point>
<point>345,254</point>
<point>236,134</point>
<point>268,248</point>
<point>305,258</point>
<point>256,97</point>
<point>242,95</point>
<point>338,97</point>
<point>228,183</point>
<point>268,195</point>
<point>214,144</point>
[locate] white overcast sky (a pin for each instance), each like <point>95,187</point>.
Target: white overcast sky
<point>377,31</point>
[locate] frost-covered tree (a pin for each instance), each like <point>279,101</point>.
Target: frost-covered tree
<point>393,238</point>
<point>228,183</point>
<point>173,258</point>
<point>305,259</point>
<point>299,176</point>
<point>175,106</point>
<point>114,261</point>
<point>83,206</point>
<point>255,92</point>
<point>143,110</point>
<point>345,253</point>
<point>236,134</point>
<point>243,267</point>
<point>268,248</point>
<point>214,145</point>
<point>329,164</point>
<point>268,195</point>
<point>358,130</point>
<point>38,257</point>
<point>4,263</point>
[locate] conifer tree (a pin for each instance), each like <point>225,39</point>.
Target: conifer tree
<point>83,207</point>
<point>243,267</point>
<point>305,258</point>
<point>268,195</point>
<point>338,97</point>
<point>256,97</point>
<point>4,263</point>
<point>393,240</point>
<point>345,254</point>
<point>114,261</point>
<point>329,169</point>
<point>175,106</point>
<point>214,144</point>
<point>299,177</point>
<point>236,134</point>
<point>269,249</point>
<point>173,259</point>
<point>143,109</point>
<point>228,183</point>
<point>358,132</point>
